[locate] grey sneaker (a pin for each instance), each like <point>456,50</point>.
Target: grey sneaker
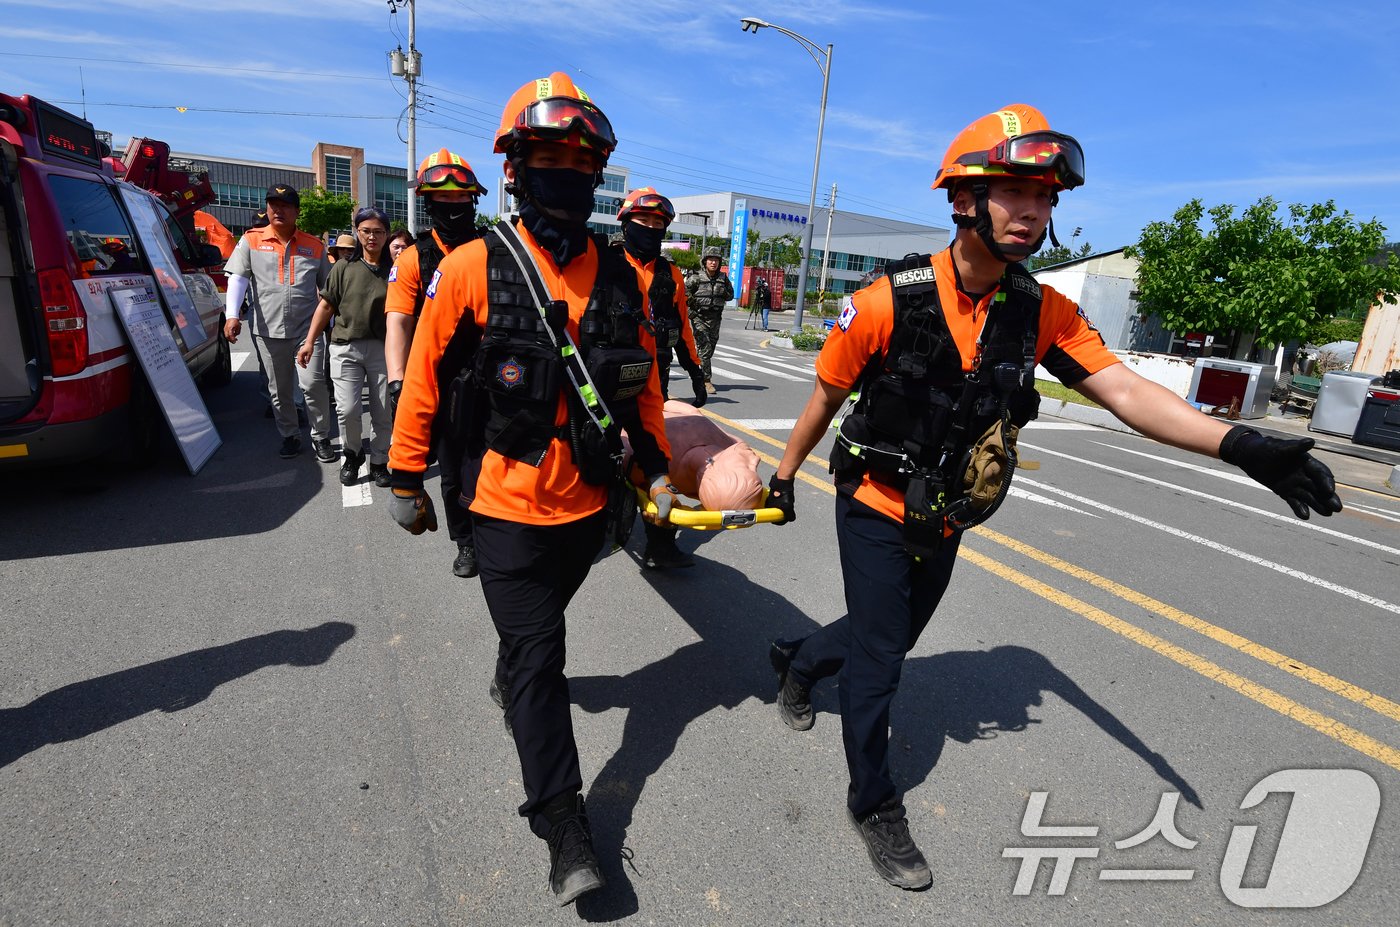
<point>891,849</point>
<point>794,698</point>
<point>573,866</point>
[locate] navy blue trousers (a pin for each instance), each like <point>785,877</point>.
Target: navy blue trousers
<point>890,597</point>
<point>529,573</point>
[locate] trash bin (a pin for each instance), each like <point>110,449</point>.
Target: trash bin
<point>1339,402</point>
<point>1379,425</point>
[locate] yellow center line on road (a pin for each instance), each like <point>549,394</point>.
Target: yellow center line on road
<point>1363,743</point>
<point>1317,677</point>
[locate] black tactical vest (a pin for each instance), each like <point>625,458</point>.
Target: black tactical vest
<point>918,411</point>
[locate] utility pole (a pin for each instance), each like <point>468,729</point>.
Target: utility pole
<point>410,67</point>
<point>826,248</point>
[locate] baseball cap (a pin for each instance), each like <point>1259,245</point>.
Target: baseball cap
<point>285,193</point>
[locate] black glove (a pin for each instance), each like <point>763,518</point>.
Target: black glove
<point>780,498</point>
<point>697,383</point>
<point>395,387</point>
<point>1285,466</point>
<point>413,510</point>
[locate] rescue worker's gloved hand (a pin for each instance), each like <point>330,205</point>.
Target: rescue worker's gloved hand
<point>1285,466</point>
<point>780,498</point>
<point>413,510</point>
<point>663,495</point>
<point>697,383</point>
<point>395,387</point>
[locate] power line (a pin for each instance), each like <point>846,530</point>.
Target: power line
<point>241,112</point>
<point>281,72</point>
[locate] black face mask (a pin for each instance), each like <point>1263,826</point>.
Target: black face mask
<point>562,193</point>
<point>642,242</point>
<point>455,223</point>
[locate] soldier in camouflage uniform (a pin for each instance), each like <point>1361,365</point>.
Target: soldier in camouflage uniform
<point>706,292</point>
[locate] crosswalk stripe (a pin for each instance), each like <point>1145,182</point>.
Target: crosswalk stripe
<point>729,374</point>
<point>810,370</point>
<point>241,359</point>
<point>768,370</point>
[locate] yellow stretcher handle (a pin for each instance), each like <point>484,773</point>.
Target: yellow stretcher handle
<point>693,516</point>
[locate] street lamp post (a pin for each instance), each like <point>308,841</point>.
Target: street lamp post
<point>823,59</point>
<point>704,226</point>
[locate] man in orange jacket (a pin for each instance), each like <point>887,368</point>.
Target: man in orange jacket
<point>943,353</point>
<point>450,189</point>
<point>541,453</point>
<point>645,215</point>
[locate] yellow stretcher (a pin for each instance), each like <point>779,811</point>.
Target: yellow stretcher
<point>693,516</point>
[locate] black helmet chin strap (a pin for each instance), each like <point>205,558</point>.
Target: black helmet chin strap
<point>981,223</point>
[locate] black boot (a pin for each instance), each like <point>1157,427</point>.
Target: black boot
<point>662,553</point>
<point>350,469</point>
<point>794,698</point>
<point>573,866</point>
<point>892,849</point>
<point>465,564</point>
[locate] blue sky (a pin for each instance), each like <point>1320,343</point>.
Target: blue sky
<point>1226,101</point>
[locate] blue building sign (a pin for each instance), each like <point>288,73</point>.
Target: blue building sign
<point>778,216</point>
<point>738,244</point>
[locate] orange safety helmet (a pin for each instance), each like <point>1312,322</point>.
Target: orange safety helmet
<point>553,109</point>
<point>443,170</point>
<point>646,200</point>
<point>1014,141</point>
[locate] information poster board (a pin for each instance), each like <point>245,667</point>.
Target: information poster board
<point>148,332</point>
<point>150,228</point>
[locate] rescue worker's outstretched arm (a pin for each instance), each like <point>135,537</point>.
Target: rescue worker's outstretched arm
<point>319,320</point>
<point>398,335</point>
<point>1284,466</point>
<point>811,426</point>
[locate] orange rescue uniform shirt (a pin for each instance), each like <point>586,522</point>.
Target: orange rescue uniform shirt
<point>645,273</point>
<point>404,282</point>
<point>1068,346</point>
<point>553,492</point>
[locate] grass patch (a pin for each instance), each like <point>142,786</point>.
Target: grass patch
<point>1050,389</point>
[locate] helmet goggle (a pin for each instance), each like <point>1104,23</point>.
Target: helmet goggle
<point>1035,153</point>
<point>450,177</point>
<point>556,118</point>
<point>651,202</point>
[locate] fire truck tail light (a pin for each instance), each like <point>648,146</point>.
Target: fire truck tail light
<point>67,322</point>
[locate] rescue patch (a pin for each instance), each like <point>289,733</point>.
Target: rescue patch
<point>393,273</point>
<point>848,313</point>
<point>510,373</point>
<point>913,275</point>
<point>431,291</point>
<point>305,252</point>
<point>1024,284</point>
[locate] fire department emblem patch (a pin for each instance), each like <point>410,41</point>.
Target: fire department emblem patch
<point>510,373</point>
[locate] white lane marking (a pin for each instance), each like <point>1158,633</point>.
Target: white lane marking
<point>768,370</point>
<point>359,494</point>
<point>1223,548</point>
<point>1222,474</point>
<point>810,370</point>
<point>1289,519</point>
<point>241,359</point>
<point>1372,510</point>
<point>767,424</point>
<point>730,375</point>
<point>1057,426</point>
<point>1053,503</point>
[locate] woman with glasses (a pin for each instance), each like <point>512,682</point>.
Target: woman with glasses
<point>354,298</point>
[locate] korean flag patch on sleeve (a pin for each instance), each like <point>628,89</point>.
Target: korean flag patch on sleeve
<point>848,314</point>
<point>432,284</point>
<point>393,273</point>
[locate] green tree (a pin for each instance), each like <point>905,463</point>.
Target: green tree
<point>321,211</point>
<point>1279,277</point>
<point>1058,254</point>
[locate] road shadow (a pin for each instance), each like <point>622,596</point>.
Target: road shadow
<point>972,695</point>
<point>725,668</point>
<point>104,504</point>
<point>82,708</point>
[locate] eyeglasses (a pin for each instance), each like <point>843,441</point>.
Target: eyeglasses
<point>372,233</point>
<point>555,118</point>
<point>440,174</point>
<point>1035,153</point>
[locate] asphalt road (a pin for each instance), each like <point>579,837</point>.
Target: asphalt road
<point>247,697</point>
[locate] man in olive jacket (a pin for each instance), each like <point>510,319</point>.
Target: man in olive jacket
<point>706,292</point>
